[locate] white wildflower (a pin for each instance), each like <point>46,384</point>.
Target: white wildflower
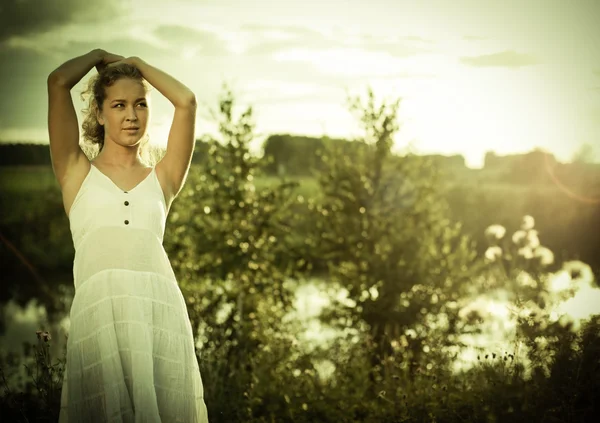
<point>525,279</point>
<point>519,237</point>
<point>580,273</point>
<point>527,223</point>
<point>567,321</point>
<point>545,255</point>
<point>495,232</point>
<point>560,281</point>
<point>526,252</point>
<point>584,304</point>
<point>532,239</point>
<point>493,253</point>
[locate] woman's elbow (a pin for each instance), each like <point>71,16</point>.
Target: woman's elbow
<point>189,100</point>
<point>55,79</point>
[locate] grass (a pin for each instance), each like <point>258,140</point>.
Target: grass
<point>41,178</point>
<point>27,179</point>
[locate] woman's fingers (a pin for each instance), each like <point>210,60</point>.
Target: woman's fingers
<point>118,62</point>
<point>108,59</point>
<point>111,58</point>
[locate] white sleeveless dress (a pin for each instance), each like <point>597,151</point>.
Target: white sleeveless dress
<point>130,349</point>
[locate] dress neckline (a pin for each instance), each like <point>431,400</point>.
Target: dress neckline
<point>119,188</point>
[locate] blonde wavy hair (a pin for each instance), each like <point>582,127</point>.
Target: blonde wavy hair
<point>94,95</point>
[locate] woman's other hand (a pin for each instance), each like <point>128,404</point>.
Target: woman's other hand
<point>107,58</point>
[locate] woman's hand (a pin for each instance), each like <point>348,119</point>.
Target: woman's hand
<point>133,61</point>
<point>106,59</point>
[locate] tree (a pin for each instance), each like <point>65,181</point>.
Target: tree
<point>384,228</point>
<point>227,246</point>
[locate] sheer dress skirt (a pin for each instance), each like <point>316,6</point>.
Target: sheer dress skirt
<point>130,349</point>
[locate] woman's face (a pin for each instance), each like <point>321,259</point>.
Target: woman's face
<point>125,112</point>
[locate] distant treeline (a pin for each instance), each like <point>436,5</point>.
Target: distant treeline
<point>284,154</point>
<point>300,155</point>
<point>296,155</point>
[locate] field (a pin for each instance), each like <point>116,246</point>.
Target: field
<point>476,198</point>
<point>14,179</point>
<point>30,179</point>
<point>26,179</point>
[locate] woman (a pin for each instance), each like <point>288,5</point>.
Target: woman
<point>130,350</point>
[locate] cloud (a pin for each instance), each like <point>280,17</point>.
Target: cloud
<point>122,46</point>
<point>23,74</point>
<point>181,37</point>
<point>66,41</point>
<point>281,31</point>
<point>276,91</point>
<point>269,40</point>
<point>333,58</point>
<point>407,75</point>
<point>266,40</point>
<point>329,59</point>
<point>279,87</point>
<point>26,17</point>
<point>505,59</point>
<point>474,38</point>
<point>406,46</point>
<point>417,38</point>
<point>345,61</point>
<point>24,70</point>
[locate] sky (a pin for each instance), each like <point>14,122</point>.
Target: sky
<point>473,76</point>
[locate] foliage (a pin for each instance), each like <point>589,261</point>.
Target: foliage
<point>286,154</point>
<point>494,390</point>
<point>227,244</point>
<point>36,251</point>
<point>519,265</point>
<point>384,229</point>
<point>40,399</point>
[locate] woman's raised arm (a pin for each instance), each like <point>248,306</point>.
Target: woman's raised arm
<point>180,144</point>
<point>63,129</point>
